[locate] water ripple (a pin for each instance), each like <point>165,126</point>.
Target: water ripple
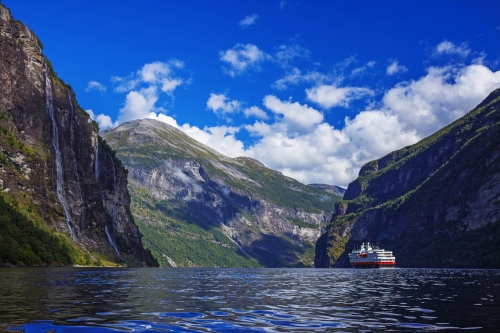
<point>253,300</point>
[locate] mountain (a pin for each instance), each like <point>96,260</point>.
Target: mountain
<point>337,190</point>
<point>197,207</point>
<point>63,193</point>
<point>435,203</point>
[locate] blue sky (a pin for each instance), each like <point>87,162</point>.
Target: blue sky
<point>314,89</point>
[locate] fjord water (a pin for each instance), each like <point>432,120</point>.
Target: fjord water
<point>248,300</point>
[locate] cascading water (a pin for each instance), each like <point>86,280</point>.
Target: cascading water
<point>112,242</point>
<point>72,117</point>
<point>96,172</point>
<point>115,193</point>
<point>55,142</point>
<point>114,209</point>
<point>96,164</point>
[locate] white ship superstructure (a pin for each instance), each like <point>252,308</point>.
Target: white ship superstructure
<point>371,257</point>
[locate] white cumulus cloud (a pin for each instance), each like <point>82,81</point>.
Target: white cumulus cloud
<point>256,112</point>
<point>407,113</point>
<point>94,85</point>
<point>139,104</point>
<point>319,152</point>
<point>241,57</point>
<point>144,88</point>
<point>285,54</point>
<point>330,95</point>
<point>160,74</point>
<point>362,69</point>
<point>220,138</point>
<point>447,47</point>
<point>248,21</point>
<point>295,139</point>
<point>220,104</point>
<point>91,114</point>
<point>295,76</point>
<point>395,68</point>
<point>104,121</point>
<point>296,116</point>
<point>441,96</point>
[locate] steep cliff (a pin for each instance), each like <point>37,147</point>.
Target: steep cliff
<point>435,203</point>
<point>196,207</point>
<point>53,168</point>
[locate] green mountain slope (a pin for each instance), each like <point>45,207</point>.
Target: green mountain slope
<point>196,207</point>
<point>435,203</point>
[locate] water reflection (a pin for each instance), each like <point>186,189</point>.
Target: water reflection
<point>247,300</point>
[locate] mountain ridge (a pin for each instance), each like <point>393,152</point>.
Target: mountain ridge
<point>254,210</point>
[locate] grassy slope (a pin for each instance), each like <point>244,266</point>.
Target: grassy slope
<point>167,231</point>
<point>282,190</point>
<point>24,237</point>
<point>165,227</point>
<point>25,240</point>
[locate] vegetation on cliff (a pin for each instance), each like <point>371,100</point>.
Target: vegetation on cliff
<point>56,209</point>
<point>167,232</point>
<point>200,208</point>
<point>25,240</point>
<point>435,203</point>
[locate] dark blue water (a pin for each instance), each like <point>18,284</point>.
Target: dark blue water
<point>248,300</point>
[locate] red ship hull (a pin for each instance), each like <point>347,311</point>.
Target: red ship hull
<point>385,264</point>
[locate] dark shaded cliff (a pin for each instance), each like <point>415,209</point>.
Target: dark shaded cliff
<point>53,168</point>
<point>435,203</point>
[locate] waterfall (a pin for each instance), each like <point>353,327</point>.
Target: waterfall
<point>72,117</point>
<point>96,165</point>
<point>112,242</point>
<point>114,209</point>
<point>115,193</point>
<point>55,143</point>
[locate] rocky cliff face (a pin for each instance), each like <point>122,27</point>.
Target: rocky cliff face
<point>257,213</point>
<point>435,204</point>
<point>51,158</point>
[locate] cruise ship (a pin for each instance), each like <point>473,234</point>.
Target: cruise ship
<point>371,257</point>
